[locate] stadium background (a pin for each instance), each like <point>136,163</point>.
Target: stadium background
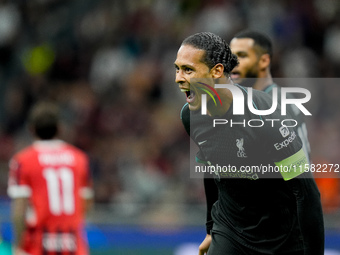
<point>109,64</point>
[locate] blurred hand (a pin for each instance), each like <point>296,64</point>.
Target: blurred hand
<point>203,248</point>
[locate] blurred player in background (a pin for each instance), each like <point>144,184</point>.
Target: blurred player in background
<point>246,213</point>
<point>254,51</point>
<point>50,187</point>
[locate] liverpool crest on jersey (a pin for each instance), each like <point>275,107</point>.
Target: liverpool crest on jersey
<point>241,152</point>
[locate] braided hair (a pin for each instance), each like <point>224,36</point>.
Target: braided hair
<point>217,51</point>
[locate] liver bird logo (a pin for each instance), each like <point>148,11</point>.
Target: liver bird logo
<point>241,152</point>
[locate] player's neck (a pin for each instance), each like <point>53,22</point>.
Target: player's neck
<point>263,81</point>
<point>226,99</point>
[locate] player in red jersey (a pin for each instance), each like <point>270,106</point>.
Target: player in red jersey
<point>50,187</point>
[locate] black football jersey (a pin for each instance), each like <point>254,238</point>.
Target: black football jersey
<point>252,164</point>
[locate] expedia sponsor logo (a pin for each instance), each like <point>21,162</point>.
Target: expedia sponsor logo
<point>286,142</point>
<point>284,131</point>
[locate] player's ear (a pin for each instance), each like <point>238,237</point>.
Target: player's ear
<point>264,61</point>
<point>217,71</point>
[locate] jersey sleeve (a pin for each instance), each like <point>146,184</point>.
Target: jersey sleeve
<point>18,181</point>
<point>211,194</point>
<point>285,148</point>
<point>309,212</point>
<point>211,191</point>
<point>284,145</point>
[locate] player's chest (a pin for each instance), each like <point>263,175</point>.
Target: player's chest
<point>223,144</point>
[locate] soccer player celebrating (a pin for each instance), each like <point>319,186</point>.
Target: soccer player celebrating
<point>254,52</point>
<point>50,187</point>
<point>247,213</point>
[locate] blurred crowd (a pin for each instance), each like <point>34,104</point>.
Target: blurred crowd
<point>109,64</point>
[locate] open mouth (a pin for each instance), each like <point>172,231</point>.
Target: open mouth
<point>190,94</point>
<point>235,75</point>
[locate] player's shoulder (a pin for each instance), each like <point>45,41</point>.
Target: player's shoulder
<point>185,117</point>
<point>25,152</point>
<point>57,146</point>
<point>256,95</point>
<point>269,89</point>
<point>260,99</point>
<point>75,150</point>
<point>261,96</point>
<point>78,156</point>
<point>24,157</point>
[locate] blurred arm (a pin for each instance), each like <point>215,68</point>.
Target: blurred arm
<point>211,194</point>
<point>87,195</point>
<point>309,212</point>
<point>18,210</point>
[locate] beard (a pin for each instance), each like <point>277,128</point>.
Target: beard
<point>249,79</point>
